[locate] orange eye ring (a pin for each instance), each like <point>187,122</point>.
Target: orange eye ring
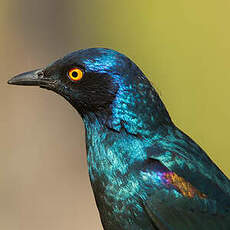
<point>75,74</point>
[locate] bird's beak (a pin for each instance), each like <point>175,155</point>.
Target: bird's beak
<point>35,77</point>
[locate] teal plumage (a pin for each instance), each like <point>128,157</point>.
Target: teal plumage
<point>145,172</point>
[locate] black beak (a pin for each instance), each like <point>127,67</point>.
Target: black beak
<point>35,77</point>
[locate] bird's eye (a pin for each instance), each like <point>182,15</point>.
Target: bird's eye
<point>75,74</point>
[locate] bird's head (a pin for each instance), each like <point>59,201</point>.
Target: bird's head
<point>99,82</point>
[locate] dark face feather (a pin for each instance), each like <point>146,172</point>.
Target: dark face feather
<point>93,93</point>
<point>103,71</point>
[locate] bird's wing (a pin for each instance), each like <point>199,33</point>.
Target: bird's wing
<point>181,155</point>
<point>203,201</point>
<point>168,212</point>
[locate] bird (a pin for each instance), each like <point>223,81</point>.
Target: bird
<point>146,174</point>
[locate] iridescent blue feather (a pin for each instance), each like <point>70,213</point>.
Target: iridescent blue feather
<point>146,174</point>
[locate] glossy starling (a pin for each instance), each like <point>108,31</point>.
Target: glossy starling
<point>144,171</point>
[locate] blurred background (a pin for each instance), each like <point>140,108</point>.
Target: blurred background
<point>182,46</point>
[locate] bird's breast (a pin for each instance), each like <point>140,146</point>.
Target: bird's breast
<point>116,185</point>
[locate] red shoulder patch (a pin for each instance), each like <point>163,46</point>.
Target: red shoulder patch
<point>183,186</point>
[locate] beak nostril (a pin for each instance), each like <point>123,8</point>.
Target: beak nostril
<point>40,74</point>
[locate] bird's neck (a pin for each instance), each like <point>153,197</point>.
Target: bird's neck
<point>109,162</point>
<point>132,119</point>
<point>113,159</point>
<point>137,108</point>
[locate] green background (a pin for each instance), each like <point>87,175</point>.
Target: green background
<point>183,47</point>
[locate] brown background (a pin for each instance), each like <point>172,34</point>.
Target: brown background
<point>182,46</point>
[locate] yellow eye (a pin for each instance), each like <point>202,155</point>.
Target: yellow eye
<point>75,74</point>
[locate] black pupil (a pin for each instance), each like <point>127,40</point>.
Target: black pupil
<point>74,74</point>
